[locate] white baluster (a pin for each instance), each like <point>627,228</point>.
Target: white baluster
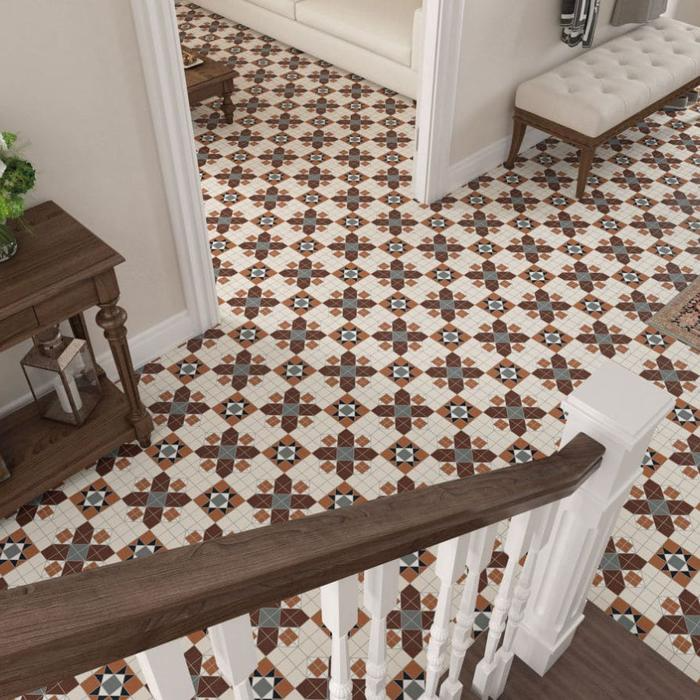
<point>339,614</point>
<point>480,550</point>
<point>543,519</point>
<point>620,411</point>
<point>451,559</point>
<point>165,671</point>
<point>519,534</point>
<point>236,654</point>
<point>381,591</point>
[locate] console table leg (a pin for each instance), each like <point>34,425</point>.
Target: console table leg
<point>111,318</point>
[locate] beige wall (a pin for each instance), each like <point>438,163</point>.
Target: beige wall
<point>687,11</point>
<point>504,43</point>
<point>71,84</point>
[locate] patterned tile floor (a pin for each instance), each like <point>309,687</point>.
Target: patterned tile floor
<point>370,344</point>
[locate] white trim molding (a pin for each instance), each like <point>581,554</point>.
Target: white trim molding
<point>437,92</point>
<point>161,58</point>
<point>487,158</point>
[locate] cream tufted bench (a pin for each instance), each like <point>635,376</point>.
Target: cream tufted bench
<point>592,98</point>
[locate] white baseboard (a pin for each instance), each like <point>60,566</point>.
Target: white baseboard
<point>487,158</point>
<point>154,342</point>
<point>145,347</point>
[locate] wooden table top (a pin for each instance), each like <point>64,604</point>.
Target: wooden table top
<point>57,252</point>
<point>208,72</point>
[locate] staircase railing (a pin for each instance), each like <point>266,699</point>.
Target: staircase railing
<point>561,512</point>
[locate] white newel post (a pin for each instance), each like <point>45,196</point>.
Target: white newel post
<point>165,671</point>
<point>236,654</point>
<point>621,411</point>
<point>381,592</point>
<point>339,615</point>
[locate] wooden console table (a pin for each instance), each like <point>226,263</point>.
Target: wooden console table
<point>60,270</point>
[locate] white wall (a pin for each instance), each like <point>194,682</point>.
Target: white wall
<point>72,86</point>
<point>503,44</point>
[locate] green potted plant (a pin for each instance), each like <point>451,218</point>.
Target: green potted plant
<point>17,177</point>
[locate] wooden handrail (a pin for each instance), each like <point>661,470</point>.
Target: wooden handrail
<point>62,627</point>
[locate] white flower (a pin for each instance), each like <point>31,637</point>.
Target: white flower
<point>2,166</point>
<point>3,144</point>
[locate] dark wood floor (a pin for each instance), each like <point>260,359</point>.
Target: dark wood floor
<point>604,661</point>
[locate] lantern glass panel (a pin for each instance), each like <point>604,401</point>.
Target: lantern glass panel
<point>63,380</point>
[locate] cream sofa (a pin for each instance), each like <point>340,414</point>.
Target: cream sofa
<point>378,39</point>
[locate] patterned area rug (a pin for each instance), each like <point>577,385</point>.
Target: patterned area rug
<point>681,318</point>
<point>370,345</point>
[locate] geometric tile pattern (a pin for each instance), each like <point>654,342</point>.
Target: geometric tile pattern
<point>370,345</point>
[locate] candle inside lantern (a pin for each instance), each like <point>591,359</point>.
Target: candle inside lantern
<point>62,377</point>
<point>63,395</point>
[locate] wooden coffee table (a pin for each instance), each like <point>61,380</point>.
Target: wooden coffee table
<point>211,79</point>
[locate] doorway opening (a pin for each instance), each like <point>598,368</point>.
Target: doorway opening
<point>293,117</point>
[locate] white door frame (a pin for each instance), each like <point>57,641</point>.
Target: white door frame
<point>437,93</point>
<point>159,45</point>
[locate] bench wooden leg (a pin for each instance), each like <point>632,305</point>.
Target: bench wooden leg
<point>227,103</point>
<point>519,129</point>
<point>584,168</point>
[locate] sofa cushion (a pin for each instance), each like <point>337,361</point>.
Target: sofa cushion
<point>605,86</point>
<point>280,7</point>
<point>382,26</point>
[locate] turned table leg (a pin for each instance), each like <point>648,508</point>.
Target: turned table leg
<point>227,103</point>
<point>111,318</point>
